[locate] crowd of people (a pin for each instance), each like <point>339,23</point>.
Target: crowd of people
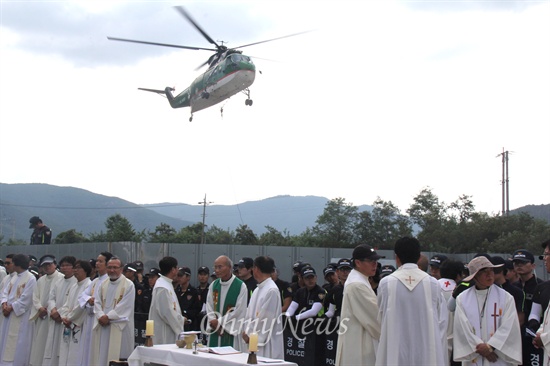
<point>435,311</point>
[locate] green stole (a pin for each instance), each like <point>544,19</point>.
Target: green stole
<point>229,304</point>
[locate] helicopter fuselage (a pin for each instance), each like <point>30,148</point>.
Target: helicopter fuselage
<point>233,74</point>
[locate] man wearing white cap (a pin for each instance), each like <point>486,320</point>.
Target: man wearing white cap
<point>39,312</point>
<point>486,326</point>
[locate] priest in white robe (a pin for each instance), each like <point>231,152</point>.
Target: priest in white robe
<point>86,301</point>
<point>263,315</point>
<point>73,316</point>
<point>486,325</point>
<point>58,296</point>
<point>226,307</point>
<point>16,332</point>
<point>113,333</point>
<point>8,264</point>
<point>412,313</point>
<point>165,309</point>
<point>359,330</point>
<point>39,312</point>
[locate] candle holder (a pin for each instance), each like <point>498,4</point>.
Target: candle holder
<point>252,360</point>
<point>148,341</point>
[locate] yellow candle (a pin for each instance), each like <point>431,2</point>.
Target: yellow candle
<point>149,328</point>
<point>253,342</point>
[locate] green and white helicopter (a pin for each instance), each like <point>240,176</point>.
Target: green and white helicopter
<point>229,72</point>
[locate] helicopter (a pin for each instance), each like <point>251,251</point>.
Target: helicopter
<point>229,72</point>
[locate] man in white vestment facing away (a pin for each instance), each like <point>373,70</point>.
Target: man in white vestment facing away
<point>263,315</point>
<point>412,313</point>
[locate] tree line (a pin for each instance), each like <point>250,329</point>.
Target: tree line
<point>448,228</point>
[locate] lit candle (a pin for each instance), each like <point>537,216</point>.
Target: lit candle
<point>149,328</point>
<point>253,342</point>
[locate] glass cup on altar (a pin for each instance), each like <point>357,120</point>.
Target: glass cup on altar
<point>189,339</point>
<point>180,342</point>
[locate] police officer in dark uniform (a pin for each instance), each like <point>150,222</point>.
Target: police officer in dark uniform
<point>203,275</point>
<point>306,298</point>
<point>41,233</point>
<point>188,298</point>
<point>129,272</point>
<point>245,274</point>
<point>336,293</point>
<point>524,264</point>
<point>152,276</point>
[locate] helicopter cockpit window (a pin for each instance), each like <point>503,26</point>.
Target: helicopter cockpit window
<point>236,57</point>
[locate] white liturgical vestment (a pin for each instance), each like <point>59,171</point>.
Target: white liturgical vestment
<point>116,340</point>
<point>165,312</point>
<point>359,327</point>
<point>486,316</point>
<point>87,326</point>
<point>69,350</point>
<point>413,318</point>
<point>58,296</point>
<point>40,298</point>
<point>264,318</point>
<point>16,332</point>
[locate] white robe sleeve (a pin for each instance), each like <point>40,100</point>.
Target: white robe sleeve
<point>166,312</point>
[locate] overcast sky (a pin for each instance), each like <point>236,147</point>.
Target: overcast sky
<point>382,99</point>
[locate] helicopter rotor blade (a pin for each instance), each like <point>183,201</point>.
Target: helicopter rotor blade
<point>273,39</point>
<point>161,44</point>
<point>186,15</point>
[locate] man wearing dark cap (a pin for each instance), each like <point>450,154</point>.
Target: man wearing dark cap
<point>41,233</point>
<point>188,298</point>
<point>245,274</point>
<point>203,274</point>
<point>151,278</point>
<point>524,264</point>
<point>140,278</point>
<point>129,271</point>
<point>435,264</point>
<point>336,294</point>
<point>359,327</point>
<point>331,279</point>
<point>308,300</point>
<point>410,300</point>
<point>386,269</point>
<point>486,327</point>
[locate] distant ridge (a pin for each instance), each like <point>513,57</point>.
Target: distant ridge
<point>290,213</point>
<point>64,208</point>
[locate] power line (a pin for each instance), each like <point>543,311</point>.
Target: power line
<point>95,208</point>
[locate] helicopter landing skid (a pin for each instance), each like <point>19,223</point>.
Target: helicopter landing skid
<point>248,101</point>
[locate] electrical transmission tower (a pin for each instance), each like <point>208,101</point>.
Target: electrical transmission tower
<point>505,184</point>
<point>204,203</point>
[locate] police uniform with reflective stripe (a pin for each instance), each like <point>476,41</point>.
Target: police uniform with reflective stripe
<point>41,235</point>
<point>306,298</point>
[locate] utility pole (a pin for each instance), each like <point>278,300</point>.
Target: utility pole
<point>505,184</point>
<point>204,203</point>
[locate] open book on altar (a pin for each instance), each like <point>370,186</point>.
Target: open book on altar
<point>226,350</point>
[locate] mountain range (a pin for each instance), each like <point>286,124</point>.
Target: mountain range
<point>65,208</point>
